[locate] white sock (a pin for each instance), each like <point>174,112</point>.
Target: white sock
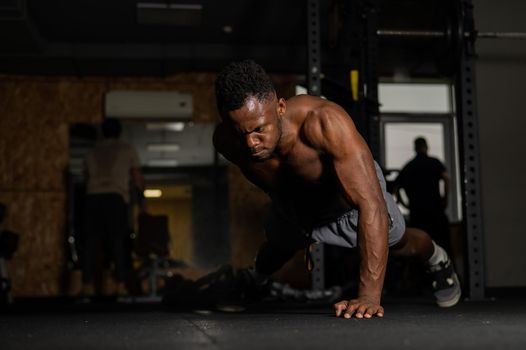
<point>439,255</point>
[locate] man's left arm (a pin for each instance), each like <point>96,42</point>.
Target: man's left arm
<point>332,131</point>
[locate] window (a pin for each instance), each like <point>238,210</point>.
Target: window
<point>413,110</point>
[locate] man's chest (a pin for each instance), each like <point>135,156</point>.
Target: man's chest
<point>303,167</point>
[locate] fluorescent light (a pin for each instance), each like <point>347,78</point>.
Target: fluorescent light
<point>152,193</point>
<point>163,162</point>
<point>178,126</point>
<point>163,147</point>
<point>196,7</point>
<point>143,5</point>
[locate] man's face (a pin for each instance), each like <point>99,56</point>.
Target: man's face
<point>258,126</point>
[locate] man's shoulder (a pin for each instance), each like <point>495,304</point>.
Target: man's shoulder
<point>427,163</point>
<point>324,120</point>
<point>115,146</point>
<point>439,164</point>
<point>435,161</point>
<point>111,142</point>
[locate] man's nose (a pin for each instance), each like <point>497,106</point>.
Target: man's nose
<point>252,141</point>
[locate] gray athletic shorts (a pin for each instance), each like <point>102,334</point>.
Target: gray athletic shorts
<point>342,231</point>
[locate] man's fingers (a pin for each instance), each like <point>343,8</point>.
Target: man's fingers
<point>371,311</point>
<point>380,312</point>
<point>339,307</point>
<point>350,310</point>
<point>357,309</point>
<point>361,311</point>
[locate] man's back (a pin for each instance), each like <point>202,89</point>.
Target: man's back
<point>108,166</point>
<point>420,179</point>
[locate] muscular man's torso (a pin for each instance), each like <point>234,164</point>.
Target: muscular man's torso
<point>301,182</point>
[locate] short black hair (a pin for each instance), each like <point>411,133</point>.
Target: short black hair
<point>111,128</point>
<point>420,143</point>
<point>239,81</point>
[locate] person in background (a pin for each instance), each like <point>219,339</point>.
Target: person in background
<point>109,168</point>
<point>420,179</point>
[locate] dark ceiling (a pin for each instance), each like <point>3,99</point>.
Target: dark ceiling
<point>158,37</point>
<point>86,37</point>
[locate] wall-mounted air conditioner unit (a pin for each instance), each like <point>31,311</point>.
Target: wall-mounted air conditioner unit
<point>149,105</point>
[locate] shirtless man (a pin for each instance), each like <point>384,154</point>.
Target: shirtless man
<point>307,155</point>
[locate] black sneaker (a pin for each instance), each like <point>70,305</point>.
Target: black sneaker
<point>445,284</point>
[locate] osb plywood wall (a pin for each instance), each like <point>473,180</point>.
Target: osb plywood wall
<point>35,114</point>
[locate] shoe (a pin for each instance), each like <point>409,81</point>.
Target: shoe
<point>229,291</point>
<point>445,284</point>
<point>254,289</point>
<point>236,290</point>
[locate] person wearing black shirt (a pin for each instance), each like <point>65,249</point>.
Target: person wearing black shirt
<point>420,178</point>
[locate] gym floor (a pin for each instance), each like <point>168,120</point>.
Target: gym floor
<point>407,324</point>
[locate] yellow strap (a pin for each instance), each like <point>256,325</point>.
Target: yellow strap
<point>354,84</point>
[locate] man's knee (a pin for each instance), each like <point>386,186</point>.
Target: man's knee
<point>414,241</point>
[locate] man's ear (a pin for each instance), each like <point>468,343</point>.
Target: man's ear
<point>282,106</point>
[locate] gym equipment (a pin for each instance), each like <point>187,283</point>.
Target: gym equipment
<point>411,39</point>
<point>151,247</point>
<point>441,28</point>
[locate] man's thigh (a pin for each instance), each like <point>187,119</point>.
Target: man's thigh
<point>343,231</point>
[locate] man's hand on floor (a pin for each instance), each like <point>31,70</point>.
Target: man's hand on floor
<point>359,308</point>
